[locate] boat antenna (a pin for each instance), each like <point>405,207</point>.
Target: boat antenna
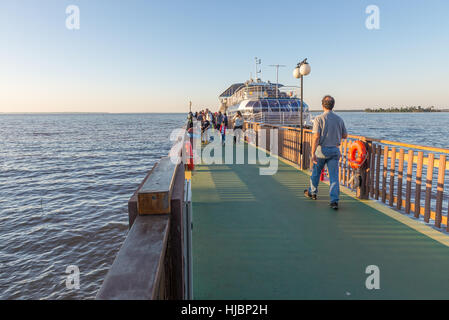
<point>258,63</point>
<point>277,66</point>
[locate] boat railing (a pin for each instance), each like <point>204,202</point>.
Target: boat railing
<point>263,92</point>
<point>412,179</point>
<point>278,118</point>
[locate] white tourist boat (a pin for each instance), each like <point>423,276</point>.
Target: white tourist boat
<point>265,102</point>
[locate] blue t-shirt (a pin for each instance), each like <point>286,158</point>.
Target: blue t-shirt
<point>330,127</point>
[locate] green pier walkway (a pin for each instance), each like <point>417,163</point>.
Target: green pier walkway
<point>257,237</point>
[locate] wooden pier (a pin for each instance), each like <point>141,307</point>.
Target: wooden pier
<point>393,172</point>
<point>256,236</point>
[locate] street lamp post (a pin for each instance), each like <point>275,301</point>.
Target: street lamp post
<point>302,69</point>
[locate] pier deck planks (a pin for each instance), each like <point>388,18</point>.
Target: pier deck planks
<point>257,237</point>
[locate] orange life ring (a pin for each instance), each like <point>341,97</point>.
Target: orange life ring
<point>189,152</point>
<point>358,149</point>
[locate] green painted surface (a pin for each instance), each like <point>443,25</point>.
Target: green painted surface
<point>257,237</point>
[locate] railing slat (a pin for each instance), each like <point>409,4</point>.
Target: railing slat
<point>310,151</point>
<point>429,179</point>
<point>447,223</point>
<point>392,173</point>
<point>372,169</point>
<point>377,186</point>
<point>296,159</point>
<point>400,178</point>
<point>282,148</point>
<point>348,167</point>
<point>343,159</point>
<point>408,188</point>
<point>440,190</point>
<point>340,162</point>
<point>292,145</point>
<point>384,177</point>
<point>418,184</point>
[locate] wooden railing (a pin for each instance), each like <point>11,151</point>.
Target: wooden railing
<point>153,261</point>
<point>409,178</point>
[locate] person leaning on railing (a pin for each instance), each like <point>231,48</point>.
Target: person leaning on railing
<point>190,120</point>
<point>238,126</point>
<point>328,130</point>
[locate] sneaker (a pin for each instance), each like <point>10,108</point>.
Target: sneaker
<point>307,194</point>
<point>334,205</point>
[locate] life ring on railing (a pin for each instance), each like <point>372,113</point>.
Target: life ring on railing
<point>357,154</point>
<point>189,155</point>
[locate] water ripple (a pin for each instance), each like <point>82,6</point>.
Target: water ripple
<point>65,181</point>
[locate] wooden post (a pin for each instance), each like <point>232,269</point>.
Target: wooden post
<point>447,223</point>
<point>348,167</point>
<point>429,178</point>
<point>384,177</point>
<point>372,169</point>
<point>377,185</point>
<point>408,188</point>
<point>369,148</point>
<point>298,155</point>
<point>340,162</point>
<point>155,195</point>
<point>301,155</point>
<point>343,162</point>
<point>418,184</point>
<point>392,173</point>
<point>309,151</point>
<point>362,191</point>
<point>267,140</point>
<point>296,133</point>
<point>440,190</point>
<point>400,178</point>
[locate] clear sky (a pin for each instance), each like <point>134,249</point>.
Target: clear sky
<point>155,56</point>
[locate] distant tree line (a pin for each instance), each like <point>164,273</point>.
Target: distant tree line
<point>403,109</point>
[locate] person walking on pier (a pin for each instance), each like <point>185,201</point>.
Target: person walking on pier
<point>219,120</point>
<point>328,130</point>
<point>205,126</point>
<point>225,119</point>
<point>190,120</point>
<point>238,126</point>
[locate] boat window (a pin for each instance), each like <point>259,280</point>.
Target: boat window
<point>285,105</point>
<point>274,105</point>
<point>294,105</point>
<point>256,106</point>
<point>306,107</point>
<point>264,104</point>
<point>299,104</point>
<point>250,104</point>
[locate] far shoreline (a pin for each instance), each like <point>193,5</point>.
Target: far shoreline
<point>363,111</point>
